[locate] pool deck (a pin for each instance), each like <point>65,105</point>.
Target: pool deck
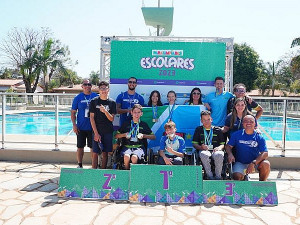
<point>28,195</point>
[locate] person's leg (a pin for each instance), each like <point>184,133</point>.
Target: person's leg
<point>80,147</point>
<point>94,160</point>
<point>264,169</point>
<point>126,161</point>
<point>238,170</point>
<point>161,161</point>
<point>89,138</point>
<point>204,156</point>
<point>134,159</point>
<point>178,161</point>
<point>106,140</point>
<point>95,154</point>
<point>218,157</point>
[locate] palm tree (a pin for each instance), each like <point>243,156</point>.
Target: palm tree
<point>52,59</point>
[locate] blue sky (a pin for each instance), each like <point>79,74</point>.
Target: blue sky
<point>269,26</point>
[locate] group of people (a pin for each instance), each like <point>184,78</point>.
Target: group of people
<point>227,115</point>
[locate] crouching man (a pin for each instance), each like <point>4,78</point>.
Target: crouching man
<point>250,152</point>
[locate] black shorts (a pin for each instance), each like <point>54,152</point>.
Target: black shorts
<point>82,137</point>
<point>106,140</point>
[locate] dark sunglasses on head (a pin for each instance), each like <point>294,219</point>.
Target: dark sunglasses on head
<point>87,84</point>
<point>131,82</point>
<point>196,93</point>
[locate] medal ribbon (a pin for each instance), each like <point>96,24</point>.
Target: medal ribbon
<point>134,129</point>
<point>208,136</point>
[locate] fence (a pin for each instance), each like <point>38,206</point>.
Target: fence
<point>280,122</point>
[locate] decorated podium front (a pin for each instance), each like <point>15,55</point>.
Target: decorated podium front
<point>163,184</point>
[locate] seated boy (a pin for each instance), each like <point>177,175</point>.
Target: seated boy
<point>134,134</point>
<point>172,146</point>
<point>209,141</point>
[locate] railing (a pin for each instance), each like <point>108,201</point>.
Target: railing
<point>280,122</point>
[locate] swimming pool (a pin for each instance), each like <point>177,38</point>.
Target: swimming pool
<point>37,123</point>
<point>43,123</point>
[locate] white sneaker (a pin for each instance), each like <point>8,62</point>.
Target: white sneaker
<point>79,167</point>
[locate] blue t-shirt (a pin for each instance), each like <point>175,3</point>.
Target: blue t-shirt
<point>177,144</point>
<point>218,104</point>
<point>81,103</point>
<point>127,101</point>
<point>247,146</point>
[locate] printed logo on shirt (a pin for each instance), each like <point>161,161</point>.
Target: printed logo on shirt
<point>105,106</point>
<point>135,101</point>
<point>250,143</point>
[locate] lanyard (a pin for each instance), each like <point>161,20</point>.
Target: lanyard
<point>87,101</point>
<point>154,112</point>
<point>208,136</point>
<point>171,111</point>
<point>131,100</point>
<point>134,128</point>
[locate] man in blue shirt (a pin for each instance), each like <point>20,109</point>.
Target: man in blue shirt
<point>216,102</point>
<point>81,123</point>
<point>250,151</point>
<point>126,100</point>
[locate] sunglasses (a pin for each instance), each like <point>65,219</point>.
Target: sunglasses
<point>87,85</point>
<point>196,93</point>
<point>131,82</point>
<point>241,91</point>
<point>103,89</point>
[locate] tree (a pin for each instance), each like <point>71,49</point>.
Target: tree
<point>94,77</point>
<point>64,79</point>
<point>52,59</point>
<point>275,76</point>
<point>295,62</point>
<point>246,65</point>
<point>33,54</point>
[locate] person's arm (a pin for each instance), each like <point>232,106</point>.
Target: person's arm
<point>228,149</point>
<point>165,158</point>
<point>97,137</point>
<point>109,116</point>
<point>120,135</point>
<point>219,148</point>
<point>261,157</point>
<point>225,129</point>
<point>149,136</point>
<point>73,119</point>
<point>207,106</point>
<point>259,111</point>
<point>121,111</point>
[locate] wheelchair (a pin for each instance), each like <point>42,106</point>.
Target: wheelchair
<point>193,158</point>
<point>118,159</point>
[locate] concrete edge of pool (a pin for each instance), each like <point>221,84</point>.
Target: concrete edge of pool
<point>47,156</point>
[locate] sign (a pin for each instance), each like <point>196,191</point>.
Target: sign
<point>91,183</point>
<point>167,63</point>
<point>169,184</point>
<point>240,192</point>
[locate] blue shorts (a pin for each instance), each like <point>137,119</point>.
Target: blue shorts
<point>241,168</point>
<point>106,140</point>
<point>139,152</point>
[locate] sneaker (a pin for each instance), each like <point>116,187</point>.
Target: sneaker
<point>246,177</point>
<point>79,167</point>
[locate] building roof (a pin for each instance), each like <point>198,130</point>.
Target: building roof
<point>11,82</point>
<point>277,93</point>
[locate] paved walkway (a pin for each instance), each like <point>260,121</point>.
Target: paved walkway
<point>28,196</point>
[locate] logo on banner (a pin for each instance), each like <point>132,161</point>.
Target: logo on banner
<point>167,59</point>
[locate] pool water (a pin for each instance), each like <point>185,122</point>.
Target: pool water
<point>43,123</point>
<point>37,123</point>
<point>274,127</point>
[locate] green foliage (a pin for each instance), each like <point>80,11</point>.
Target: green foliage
<point>296,42</point>
<point>94,77</point>
<point>35,55</point>
<point>246,65</point>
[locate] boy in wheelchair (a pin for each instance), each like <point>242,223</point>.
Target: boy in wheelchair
<point>209,141</point>
<point>172,146</point>
<point>134,134</point>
